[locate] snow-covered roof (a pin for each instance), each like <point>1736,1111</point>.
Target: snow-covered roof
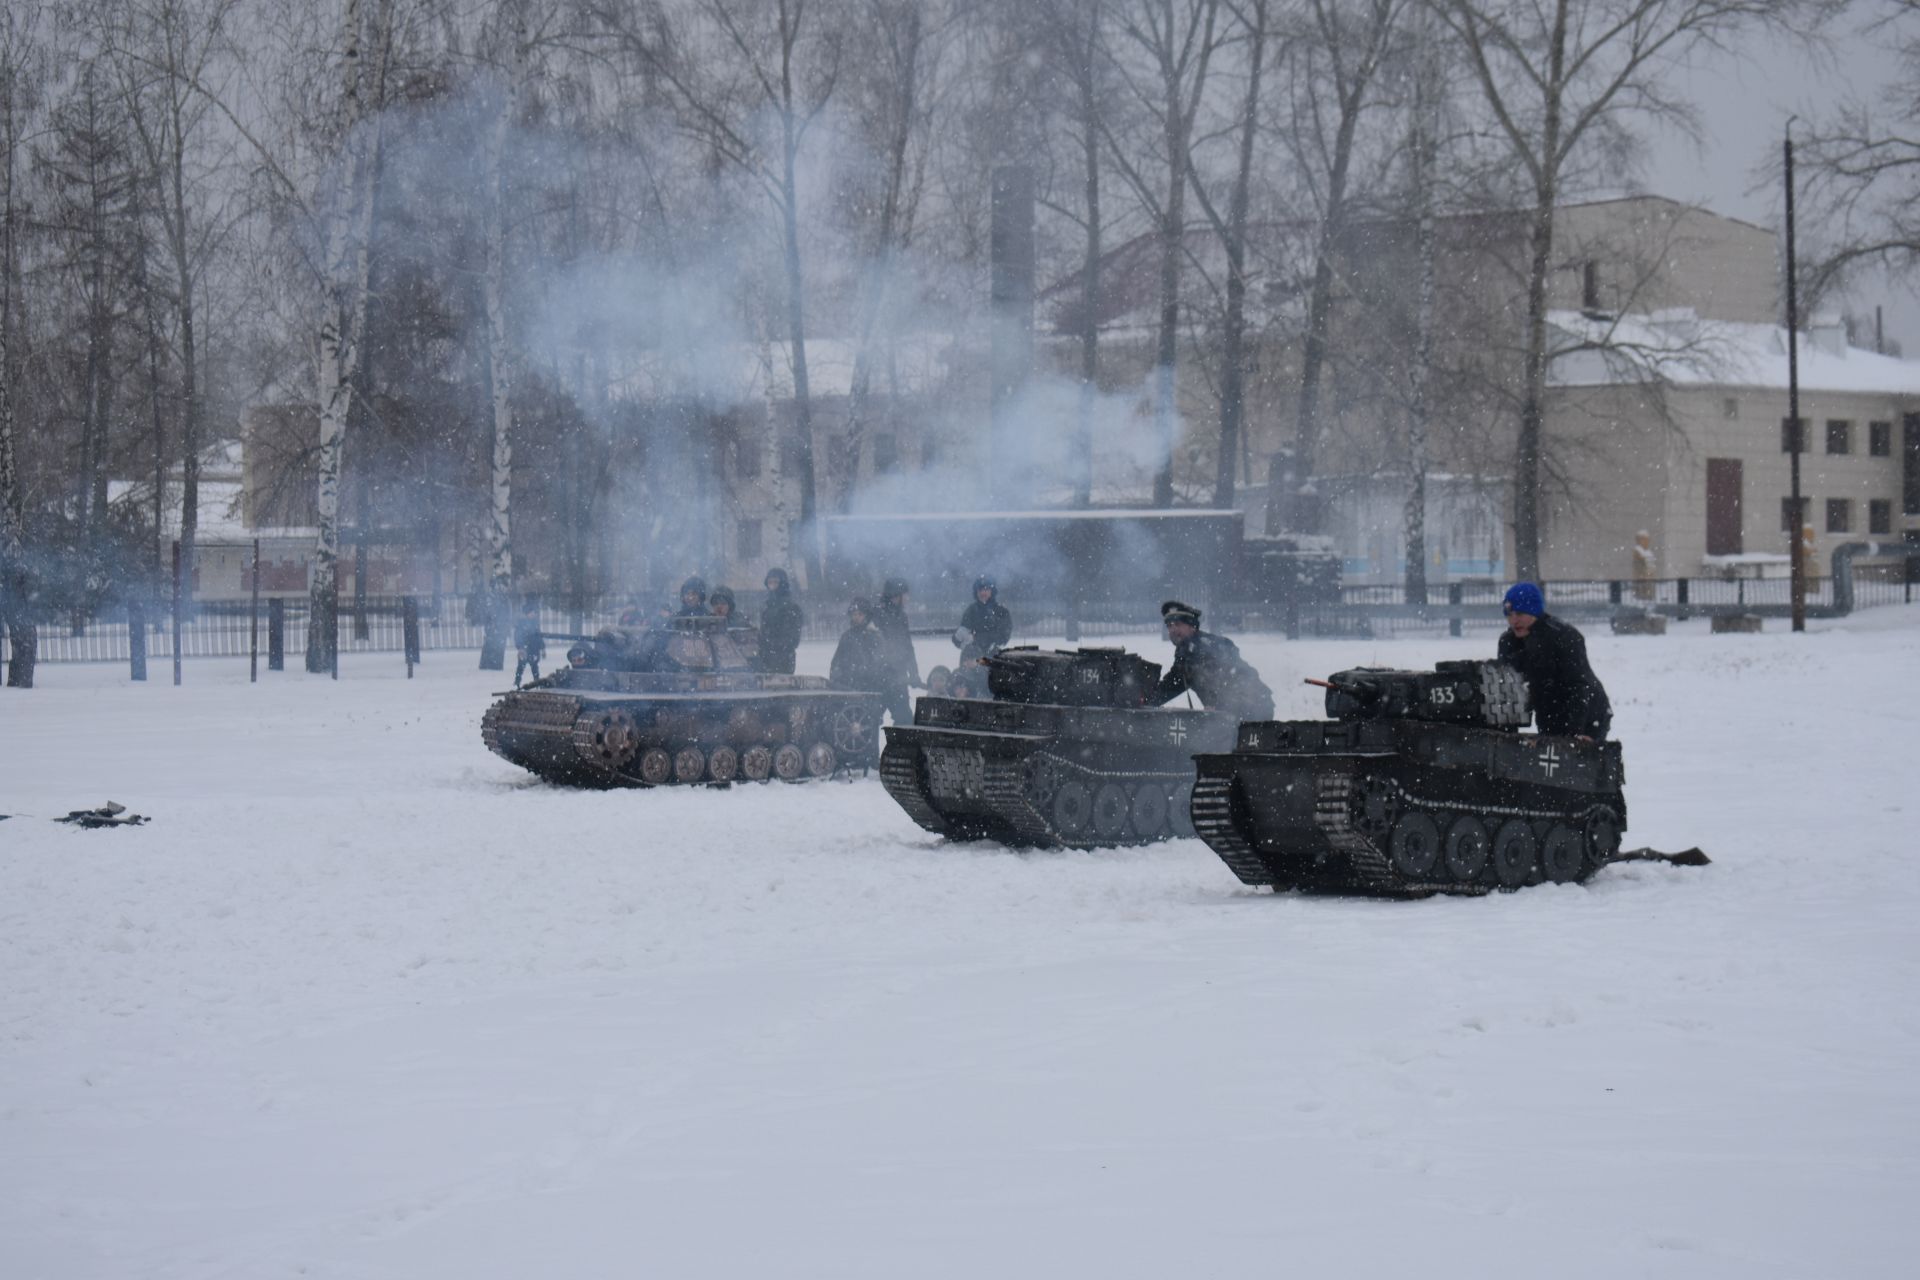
<point>1682,349</point>
<point>221,515</point>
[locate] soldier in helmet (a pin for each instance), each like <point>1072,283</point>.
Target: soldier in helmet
<point>986,626</point>
<point>890,619</point>
<point>780,625</point>
<point>693,597</point>
<point>861,660</point>
<point>1211,666</point>
<point>721,604</point>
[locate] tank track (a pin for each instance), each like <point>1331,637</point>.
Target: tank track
<point>556,738</point>
<point>1016,790</point>
<point>1369,866</point>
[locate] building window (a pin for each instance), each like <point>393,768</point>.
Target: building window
<point>1880,439</point>
<point>886,453</point>
<point>1839,515</point>
<point>1880,515</point>
<point>1730,408</point>
<point>1839,435</point>
<point>748,541</point>
<point>1793,435</point>
<point>1590,285</point>
<point>746,458</point>
<point>1788,522</point>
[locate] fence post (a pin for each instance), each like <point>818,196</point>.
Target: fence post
<point>253,621</point>
<point>137,637</point>
<point>1453,614</point>
<point>1683,612</point>
<point>277,634</point>
<point>1613,591</point>
<point>410,631</point>
<point>176,611</point>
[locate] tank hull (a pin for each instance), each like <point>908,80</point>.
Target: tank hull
<point>593,728</point>
<point>1042,776</point>
<point>1407,809</point>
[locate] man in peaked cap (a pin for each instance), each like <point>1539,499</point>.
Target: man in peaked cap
<point>1211,666</point>
<point>1567,697</point>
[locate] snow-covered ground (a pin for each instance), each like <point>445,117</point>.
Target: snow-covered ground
<point>365,1001</point>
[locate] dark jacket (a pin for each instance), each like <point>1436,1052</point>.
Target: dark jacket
<point>528,640</point>
<point>780,628</point>
<point>862,662</point>
<point>1212,667</point>
<point>1567,696</point>
<point>891,621</point>
<point>992,627</point>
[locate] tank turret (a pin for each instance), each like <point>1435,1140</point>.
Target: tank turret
<point>1489,694</point>
<point>1075,678</point>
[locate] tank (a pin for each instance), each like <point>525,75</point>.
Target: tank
<point>1065,753</point>
<point>679,703</point>
<point>1420,782</point>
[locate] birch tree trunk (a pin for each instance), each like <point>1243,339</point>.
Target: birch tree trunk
<point>343,317</point>
<point>500,354</point>
<point>1233,338</point>
<point>15,583</point>
<point>1420,375</point>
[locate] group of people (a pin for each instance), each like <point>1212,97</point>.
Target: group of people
<point>876,655</point>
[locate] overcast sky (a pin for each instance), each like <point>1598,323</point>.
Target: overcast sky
<point>1744,102</point>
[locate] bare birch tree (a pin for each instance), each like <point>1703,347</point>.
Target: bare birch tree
<point>17,62</point>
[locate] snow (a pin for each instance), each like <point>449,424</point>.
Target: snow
<point>1693,351</point>
<point>365,1001</point>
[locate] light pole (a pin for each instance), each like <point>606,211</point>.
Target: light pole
<point>1796,431</point>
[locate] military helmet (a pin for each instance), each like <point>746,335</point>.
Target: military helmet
<point>695,584</point>
<point>894,587</point>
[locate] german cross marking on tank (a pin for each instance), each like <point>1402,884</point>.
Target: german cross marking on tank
<point>1177,730</point>
<point>1549,760</point>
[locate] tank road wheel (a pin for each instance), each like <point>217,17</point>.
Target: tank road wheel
<point>614,736</point>
<point>1602,837</point>
<point>1180,810</point>
<point>690,764</point>
<point>1111,808</point>
<point>1073,809</point>
<point>820,759</point>
<point>1467,848</point>
<point>1563,854</point>
<point>852,733</point>
<point>1414,845</point>
<point>1515,853</point>
<point>1375,807</point>
<point>756,763</point>
<point>723,765</point>
<point>1149,811</point>
<point>656,766</point>
<point>789,762</point>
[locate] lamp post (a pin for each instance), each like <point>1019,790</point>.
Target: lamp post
<point>1796,432</point>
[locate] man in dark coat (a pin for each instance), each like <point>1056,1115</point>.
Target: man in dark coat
<point>530,645</point>
<point>861,661</point>
<point>1567,697</point>
<point>890,619</point>
<point>693,597</point>
<point>986,626</point>
<point>780,625</point>
<point>1211,666</point>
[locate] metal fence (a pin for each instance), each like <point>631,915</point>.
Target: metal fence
<point>226,629</point>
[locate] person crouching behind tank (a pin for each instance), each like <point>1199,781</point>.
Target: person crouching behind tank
<point>984,629</point>
<point>529,645</point>
<point>1567,697</point>
<point>780,625</point>
<point>1211,666</point>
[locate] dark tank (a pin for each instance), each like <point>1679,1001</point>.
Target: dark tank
<point>1066,753</point>
<point>679,702</point>
<point>1420,783</point>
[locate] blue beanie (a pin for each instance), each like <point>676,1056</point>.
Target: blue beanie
<point>1525,597</point>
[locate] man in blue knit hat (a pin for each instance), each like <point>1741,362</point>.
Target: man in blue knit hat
<point>1567,697</point>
